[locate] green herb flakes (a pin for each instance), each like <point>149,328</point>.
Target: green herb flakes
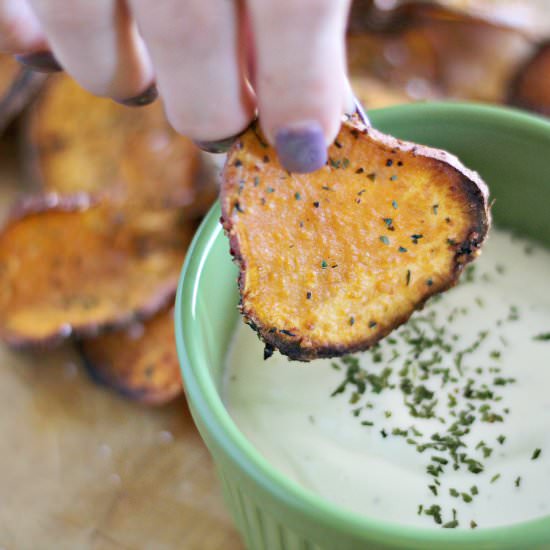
<point>451,524</point>
<point>435,512</point>
<point>453,382</point>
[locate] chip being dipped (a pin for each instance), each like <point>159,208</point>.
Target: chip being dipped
<point>331,262</point>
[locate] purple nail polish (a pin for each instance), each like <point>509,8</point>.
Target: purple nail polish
<point>218,146</point>
<point>301,149</point>
<point>145,98</point>
<point>42,62</point>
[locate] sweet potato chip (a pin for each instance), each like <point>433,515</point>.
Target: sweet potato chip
<point>476,59</point>
<point>140,362</point>
<point>367,15</point>
<point>333,261</point>
<point>530,87</point>
<point>529,17</point>
<point>17,87</point>
<point>403,60</point>
<point>375,94</point>
<point>432,50</point>
<point>71,267</point>
<point>82,143</point>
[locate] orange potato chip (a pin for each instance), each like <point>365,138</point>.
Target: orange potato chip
<point>82,143</point>
<point>72,267</point>
<point>530,87</point>
<point>333,261</point>
<point>140,362</point>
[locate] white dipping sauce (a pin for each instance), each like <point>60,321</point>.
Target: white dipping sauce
<point>328,446</point>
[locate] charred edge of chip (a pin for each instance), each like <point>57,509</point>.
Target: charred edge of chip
<point>145,396</point>
<point>292,346</point>
<point>194,203</point>
<point>515,95</point>
<point>268,349</point>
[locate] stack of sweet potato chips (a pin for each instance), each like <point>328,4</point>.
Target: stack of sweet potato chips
<point>93,251</point>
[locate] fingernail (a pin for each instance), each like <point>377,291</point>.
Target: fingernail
<point>219,146</point>
<point>361,113</point>
<point>42,62</point>
<point>302,148</point>
<point>145,98</point>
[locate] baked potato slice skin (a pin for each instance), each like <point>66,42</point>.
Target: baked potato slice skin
<point>530,86</point>
<point>74,268</point>
<point>76,142</point>
<point>331,262</point>
<point>139,363</point>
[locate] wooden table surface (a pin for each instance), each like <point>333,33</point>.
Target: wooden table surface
<point>81,468</point>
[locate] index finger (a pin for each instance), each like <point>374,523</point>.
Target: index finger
<point>300,76</point>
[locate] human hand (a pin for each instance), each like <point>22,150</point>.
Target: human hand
<point>216,64</point>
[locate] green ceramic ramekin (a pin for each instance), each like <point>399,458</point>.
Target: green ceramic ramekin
<point>511,150</point>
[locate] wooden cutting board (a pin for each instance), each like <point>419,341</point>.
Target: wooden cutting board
<point>82,468</point>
